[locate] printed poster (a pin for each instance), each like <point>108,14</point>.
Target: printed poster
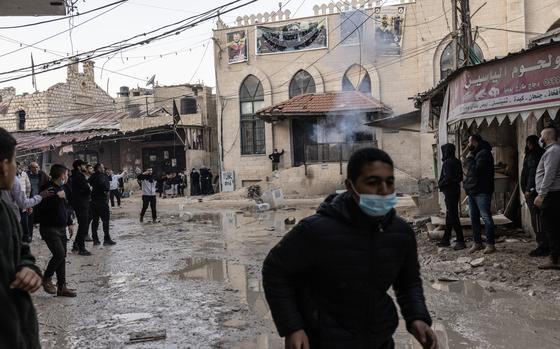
<point>389,25</point>
<point>237,46</point>
<point>309,34</point>
<point>352,27</point>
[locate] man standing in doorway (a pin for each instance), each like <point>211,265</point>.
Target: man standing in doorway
<point>533,155</point>
<point>450,185</point>
<point>479,186</point>
<point>548,199</point>
<point>148,183</point>
<point>81,198</point>
<point>99,182</point>
<point>37,178</point>
<point>275,157</point>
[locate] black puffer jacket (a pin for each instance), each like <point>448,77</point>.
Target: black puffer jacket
<point>451,170</point>
<point>331,273</point>
<point>529,172</point>
<point>81,191</point>
<point>100,185</point>
<point>480,171</point>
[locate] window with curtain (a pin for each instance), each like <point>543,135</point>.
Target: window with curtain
<point>251,99</point>
<point>446,59</point>
<point>302,83</point>
<point>356,78</point>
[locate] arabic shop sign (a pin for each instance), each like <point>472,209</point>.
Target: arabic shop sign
<point>294,36</point>
<point>526,82</point>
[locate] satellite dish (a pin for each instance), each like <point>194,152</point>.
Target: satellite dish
<point>151,81</point>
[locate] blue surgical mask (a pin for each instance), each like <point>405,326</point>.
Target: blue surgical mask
<point>376,205</point>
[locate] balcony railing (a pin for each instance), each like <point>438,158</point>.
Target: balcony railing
<point>333,152</point>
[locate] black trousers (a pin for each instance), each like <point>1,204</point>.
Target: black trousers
<point>100,210</point>
<point>30,223</point>
<point>275,166</point>
<point>56,240</point>
<point>452,219</point>
<point>536,221</point>
<point>550,215</point>
<point>149,200</point>
<point>82,216</point>
<point>115,193</point>
<point>24,223</point>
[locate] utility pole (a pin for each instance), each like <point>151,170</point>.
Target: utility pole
<point>462,34</point>
<point>455,34</point>
<point>466,30</point>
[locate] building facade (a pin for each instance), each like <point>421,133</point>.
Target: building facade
<point>390,53</point>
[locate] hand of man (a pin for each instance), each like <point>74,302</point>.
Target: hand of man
<point>424,334</point>
<point>30,210</point>
<point>71,231</point>
<point>46,193</point>
<point>61,194</point>
<point>539,201</point>
<point>527,195</point>
<point>297,340</point>
<point>27,280</point>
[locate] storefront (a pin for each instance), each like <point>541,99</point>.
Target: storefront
<point>505,101</point>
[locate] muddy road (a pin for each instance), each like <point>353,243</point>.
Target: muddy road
<point>196,275</point>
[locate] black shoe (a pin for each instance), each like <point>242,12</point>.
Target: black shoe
<point>88,239</point>
<point>109,242</point>
<point>96,242</point>
<point>540,252</point>
<point>443,243</point>
<point>141,219</point>
<point>75,249</point>
<point>84,253</point>
<point>26,239</point>
<point>459,246</point>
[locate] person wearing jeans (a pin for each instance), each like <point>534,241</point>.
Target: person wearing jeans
<point>148,182</point>
<point>479,186</point>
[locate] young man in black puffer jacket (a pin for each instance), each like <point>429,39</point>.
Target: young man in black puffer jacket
<point>326,281</point>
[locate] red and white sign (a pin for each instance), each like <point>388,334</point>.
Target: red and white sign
<point>523,83</point>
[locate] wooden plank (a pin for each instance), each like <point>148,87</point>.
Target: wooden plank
<point>499,219</point>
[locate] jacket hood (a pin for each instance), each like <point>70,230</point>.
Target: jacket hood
<point>344,208</point>
<point>448,151</point>
<point>484,145</point>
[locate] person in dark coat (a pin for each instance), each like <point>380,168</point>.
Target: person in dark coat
<point>326,281</point>
<point>37,179</point>
<point>450,185</point>
<point>19,276</point>
<point>275,157</point>
<point>533,154</point>
<point>81,197</point>
<point>479,186</point>
<point>100,185</point>
<point>195,182</point>
<point>55,217</point>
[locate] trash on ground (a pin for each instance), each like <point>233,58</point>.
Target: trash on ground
<point>146,336</point>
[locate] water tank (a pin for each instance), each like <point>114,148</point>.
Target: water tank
<point>124,91</point>
<point>188,105</point>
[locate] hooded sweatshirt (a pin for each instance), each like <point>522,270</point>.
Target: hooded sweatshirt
<point>331,273</point>
<point>480,170</point>
<point>451,170</point>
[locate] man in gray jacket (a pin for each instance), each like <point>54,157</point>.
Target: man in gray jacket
<point>548,199</point>
<point>148,183</point>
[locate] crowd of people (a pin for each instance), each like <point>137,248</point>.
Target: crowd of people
<point>539,182</point>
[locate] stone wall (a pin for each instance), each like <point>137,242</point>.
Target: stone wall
<point>394,79</point>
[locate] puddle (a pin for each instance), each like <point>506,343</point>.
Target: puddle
<point>470,290</point>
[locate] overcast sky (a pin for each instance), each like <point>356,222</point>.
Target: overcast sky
<point>133,17</point>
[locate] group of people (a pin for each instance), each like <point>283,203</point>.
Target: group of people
<point>202,181</point>
<point>171,184</point>
<point>540,183</point>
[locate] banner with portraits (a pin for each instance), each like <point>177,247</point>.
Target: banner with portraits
<point>311,34</point>
<point>352,25</point>
<point>389,25</point>
<point>237,46</point>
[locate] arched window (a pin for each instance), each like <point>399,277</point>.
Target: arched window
<point>555,25</point>
<point>356,78</point>
<point>302,83</point>
<point>446,60</point>
<point>251,99</point>
<point>21,119</point>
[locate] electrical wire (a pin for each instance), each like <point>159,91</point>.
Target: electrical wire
<point>201,60</point>
<point>63,18</point>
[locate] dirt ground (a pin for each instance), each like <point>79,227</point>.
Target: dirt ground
<point>197,275</point>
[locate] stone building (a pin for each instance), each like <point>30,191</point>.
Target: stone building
<point>266,59</point>
<point>79,95</point>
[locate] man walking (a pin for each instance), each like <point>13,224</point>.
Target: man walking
<point>37,179</point>
<point>450,185</point>
<point>326,281</point>
<point>81,197</point>
<point>548,199</point>
<point>114,191</point>
<point>19,276</point>
<point>479,186</point>
<point>533,155</point>
<point>148,183</point>
<point>100,185</point>
<point>55,217</point>
<point>275,157</point>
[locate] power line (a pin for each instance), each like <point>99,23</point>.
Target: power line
<point>201,60</point>
<point>63,18</point>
